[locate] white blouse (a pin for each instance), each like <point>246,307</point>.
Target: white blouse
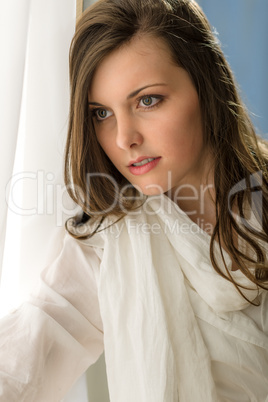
<point>143,289</point>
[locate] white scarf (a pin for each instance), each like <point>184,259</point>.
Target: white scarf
<point>154,349</point>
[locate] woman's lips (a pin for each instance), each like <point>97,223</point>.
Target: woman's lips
<point>143,165</point>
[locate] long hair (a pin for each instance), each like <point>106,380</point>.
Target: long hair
<point>240,157</point>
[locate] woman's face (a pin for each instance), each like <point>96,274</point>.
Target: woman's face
<point>147,117</point>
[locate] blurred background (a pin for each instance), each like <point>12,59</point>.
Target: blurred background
<point>243,32</point>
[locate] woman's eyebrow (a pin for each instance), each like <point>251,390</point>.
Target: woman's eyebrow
<point>95,104</point>
<point>135,93</point>
<point>132,94</point>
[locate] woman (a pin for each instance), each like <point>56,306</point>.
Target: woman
<point>172,243</point>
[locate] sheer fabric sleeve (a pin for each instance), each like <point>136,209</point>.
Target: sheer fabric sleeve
<point>48,342</point>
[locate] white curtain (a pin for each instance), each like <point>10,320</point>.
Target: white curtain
<point>34,42</point>
<point>35,38</point>
<point>13,43</point>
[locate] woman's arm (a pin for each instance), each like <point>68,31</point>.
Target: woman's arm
<point>48,342</point>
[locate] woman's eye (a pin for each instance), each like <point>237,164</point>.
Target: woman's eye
<point>101,114</point>
<point>149,101</point>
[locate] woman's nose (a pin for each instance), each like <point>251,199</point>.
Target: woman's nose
<point>128,132</point>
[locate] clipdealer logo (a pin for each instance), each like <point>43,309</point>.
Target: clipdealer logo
<point>38,193</point>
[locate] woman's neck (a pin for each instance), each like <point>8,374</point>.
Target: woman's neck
<point>196,197</point>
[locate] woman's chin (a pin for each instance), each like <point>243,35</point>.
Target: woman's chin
<point>151,190</point>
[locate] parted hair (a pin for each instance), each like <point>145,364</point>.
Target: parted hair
<point>240,157</point>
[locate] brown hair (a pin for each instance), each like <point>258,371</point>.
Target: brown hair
<point>240,158</point>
